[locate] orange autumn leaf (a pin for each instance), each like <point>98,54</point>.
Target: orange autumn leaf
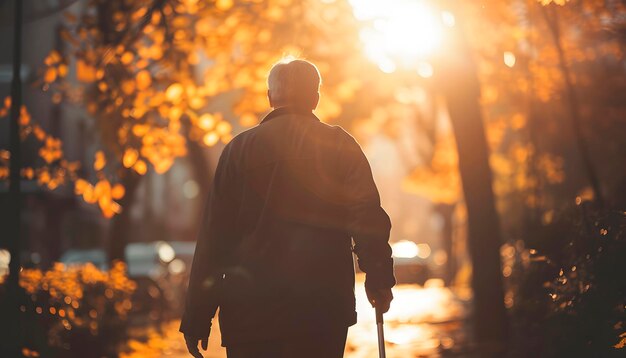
<point>85,72</point>
<point>223,128</point>
<point>127,58</point>
<point>206,121</point>
<point>102,188</point>
<point>89,196</point>
<point>130,157</point>
<point>100,160</point>
<point>62,70</point>
<point>24,116</point>
<point>80,186</point>
<point>51,150</point>
<point>210,139</point>
<point>144,80</point>
<point>140,167</point>
<point>50,75</point>
<point>174,92</point>
<point>118,191</point>
<point>39,133</point>
<point>224,4</point>
<point>140,130</point>
<point>28,173</point>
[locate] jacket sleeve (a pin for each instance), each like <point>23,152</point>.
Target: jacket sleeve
<point>208,262</point>
<point>368,223</point>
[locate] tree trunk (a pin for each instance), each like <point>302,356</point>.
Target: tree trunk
<point>552,21</point>
<point>460,88</point>
<point>119,233</point>
<point>202,174</point>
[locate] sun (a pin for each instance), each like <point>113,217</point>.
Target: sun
<point>399,33</point>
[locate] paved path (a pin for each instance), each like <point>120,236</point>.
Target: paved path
<point>421,323</point>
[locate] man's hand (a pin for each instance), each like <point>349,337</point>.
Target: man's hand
<point>380,298</point>
<point>192,345</point>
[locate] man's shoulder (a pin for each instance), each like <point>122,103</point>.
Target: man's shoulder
<point>339,134</point>
<point>241,137</point>
<point>346,138</point>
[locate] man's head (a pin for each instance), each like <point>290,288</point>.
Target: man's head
<point>294,83</point>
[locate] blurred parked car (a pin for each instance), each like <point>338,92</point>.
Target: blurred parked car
<point>160,269</point>
<point>410,264</point>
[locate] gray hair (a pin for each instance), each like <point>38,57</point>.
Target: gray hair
<point>293,82</point>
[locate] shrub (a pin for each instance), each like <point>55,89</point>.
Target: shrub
<point>571,293</point>
<point>77,311</point>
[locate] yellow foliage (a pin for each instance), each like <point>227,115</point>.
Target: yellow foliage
<point>223,128</point>
<point>206,121</point>
<point>175,113</point>
<point>52,58</point>
<point>224,4</point>
<point>174,93</point>
<point>102,193</point>
<point>55,171</point>
<point>28,173</point>
<point>557,2</point>
<point>439,181</point>
<point>204,26</point>
<point>85,72</point>
<point>128,87</point>
<point>103,189</point>
<point>100,160</point>
<point>51,150</point>
<point>62,70</point>
<point>50,75</point>
<point>127,58</point>
<point>118,191</point>
<point>622,343</point>
<point>130,157</point>
<point>29,353</point>
<point>144,80</point>
<point>140,130</point>
<point>80,186</point>
<point>210,139</point>
<point>140,167</point>
<point>146,88</point>
<point>24,116</point>
<point>67,294</point>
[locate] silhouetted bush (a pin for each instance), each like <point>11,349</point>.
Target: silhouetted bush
<point>77,311</point>
<point>571,287</point>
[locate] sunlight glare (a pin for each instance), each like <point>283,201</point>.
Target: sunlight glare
<point>509,58</point>
<point>166,252</point>
<point>448,18</point>
<point>287,58</point>
<point>401,31</point>
<point>423,251</point>
<point>405,249</point>
<point>425,69</point>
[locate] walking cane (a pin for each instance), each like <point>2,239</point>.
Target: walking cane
<point>381,333</point>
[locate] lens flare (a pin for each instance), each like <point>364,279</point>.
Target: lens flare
<point>401,31</point>
<point>405,249</point>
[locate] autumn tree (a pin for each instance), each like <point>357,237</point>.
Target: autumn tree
<point>549,88</point>
<point>150,73</point>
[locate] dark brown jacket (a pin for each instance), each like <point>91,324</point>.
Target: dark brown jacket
<point>275,249</point>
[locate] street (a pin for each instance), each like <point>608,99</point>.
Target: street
<point>422,322</point>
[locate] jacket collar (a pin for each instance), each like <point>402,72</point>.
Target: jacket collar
<point>282,111</point>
